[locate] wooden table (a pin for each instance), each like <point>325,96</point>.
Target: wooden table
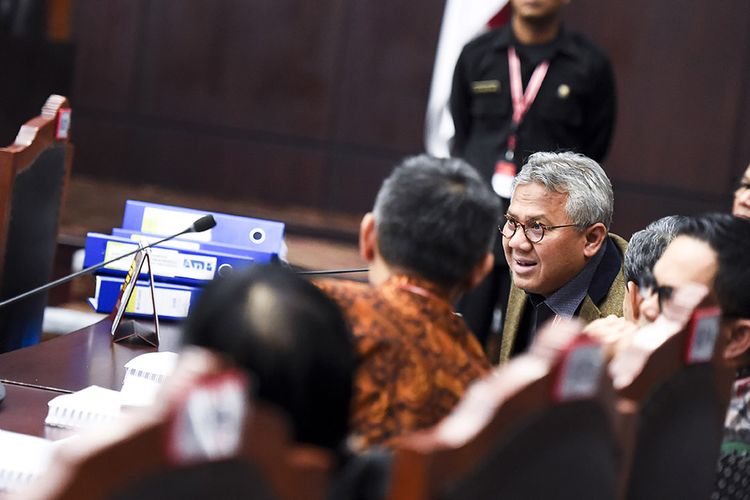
<point>79,359</point>
<point>34,375</point>
<point>24,410</point>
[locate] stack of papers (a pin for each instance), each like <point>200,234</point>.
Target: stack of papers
<point>22,459</point>
<point>95,405</point>
<point>144,375</point>
<point>83,409</point>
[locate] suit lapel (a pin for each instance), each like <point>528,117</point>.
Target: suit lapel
<point>513,315</point>
<point>611,298</point>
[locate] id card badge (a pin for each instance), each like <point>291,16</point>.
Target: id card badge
<point>502,179</point>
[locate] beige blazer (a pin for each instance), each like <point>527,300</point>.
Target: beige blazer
<point>611,304</point>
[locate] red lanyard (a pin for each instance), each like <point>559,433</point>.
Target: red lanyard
<point>423,292</point>
<point>522,100</point>
<point>417,290</point>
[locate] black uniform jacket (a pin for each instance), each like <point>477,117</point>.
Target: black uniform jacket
<point>574,110</point>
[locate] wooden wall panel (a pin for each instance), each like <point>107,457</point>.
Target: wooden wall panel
<point>636,206</point>
<point>105,149</point>
<point>353,181</point>
<point>386,71</point>
<point>742,131</point>
<point>312,103</point>
<point>106,36</point>
<point>199,162</point>
<point>32,69</point>
<point>682,77</point>
<point>257,65</point>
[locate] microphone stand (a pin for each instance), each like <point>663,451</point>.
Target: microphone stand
<point>204,223</point>
<point>200,225</point>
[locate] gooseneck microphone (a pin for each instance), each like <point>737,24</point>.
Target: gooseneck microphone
<point>203,224</point>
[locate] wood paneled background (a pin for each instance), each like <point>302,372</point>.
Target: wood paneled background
<point>311,103</point>
<point>683,131</point>
<point>288,102</point>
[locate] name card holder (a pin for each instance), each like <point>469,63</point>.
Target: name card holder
<point>131,330</point>
<point>703,332</point>
<point>579,372</point>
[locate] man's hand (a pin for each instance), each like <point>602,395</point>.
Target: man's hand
<point>613,332</point>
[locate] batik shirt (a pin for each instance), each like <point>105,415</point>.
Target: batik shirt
<point>733,475</point>
<point>416,357</point>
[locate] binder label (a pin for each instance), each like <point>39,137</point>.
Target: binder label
<point>169,263</point>
<point>174,303</point>
<point>161,221</point>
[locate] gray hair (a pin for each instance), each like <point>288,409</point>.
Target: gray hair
<point>436,218</point>
<point>590,196</point>
<point>646,246</point>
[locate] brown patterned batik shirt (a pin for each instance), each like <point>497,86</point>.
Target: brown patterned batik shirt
<point>416,357</point>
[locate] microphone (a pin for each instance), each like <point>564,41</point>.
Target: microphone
<point>203,224</point>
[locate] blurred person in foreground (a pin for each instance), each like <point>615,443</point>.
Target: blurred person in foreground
<point>296,345</point>
<point>290,338</point>
<point>713,250</point>
<point>644,249</point>
<point>428,240</point>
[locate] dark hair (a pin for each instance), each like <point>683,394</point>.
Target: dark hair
<point>729,237</point>
<point>436,217</point>
<point>646,246</point>
<point>290,337</point>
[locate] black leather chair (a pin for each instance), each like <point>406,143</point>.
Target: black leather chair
<point>34,172</point>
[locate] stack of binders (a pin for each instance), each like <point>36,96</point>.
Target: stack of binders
<point>181,266</point>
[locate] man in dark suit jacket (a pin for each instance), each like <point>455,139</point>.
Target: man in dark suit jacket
<point>562,258</point>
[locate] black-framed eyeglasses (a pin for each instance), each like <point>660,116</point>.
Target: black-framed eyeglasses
<point>533,230</point>
<point>648,285</point>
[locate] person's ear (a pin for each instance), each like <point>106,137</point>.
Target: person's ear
<point>739,339</point>
<point>481,270</point>
<point>368,237</point>
<point>633,296</point>
<point>595,236</point>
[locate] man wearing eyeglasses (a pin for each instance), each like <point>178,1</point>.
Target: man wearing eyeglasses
<point>644,250</point>
<point>562,258</point>
<point>714,250</point>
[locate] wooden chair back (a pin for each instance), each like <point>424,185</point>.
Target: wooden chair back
<point>34,173</point>
<point>673,390</point>
<point>138,458</point>
<point>540,426</point>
